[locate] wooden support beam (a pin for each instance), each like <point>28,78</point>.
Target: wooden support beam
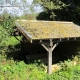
<point>67,38</point>
<point>49,49</point>
<point>51,43</point>
<point>74,38</point>
<point>54,46</point>
<point>60,39</point>
<point>49,68</point>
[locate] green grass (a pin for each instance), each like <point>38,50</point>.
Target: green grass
<point>12,41</point>
<point>10,70</point>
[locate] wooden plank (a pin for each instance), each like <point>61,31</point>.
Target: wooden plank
<point>43,57</point>
<point>49,69</point>
<point>37,56</point>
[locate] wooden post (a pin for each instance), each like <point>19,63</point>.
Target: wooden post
<point>49,69</point>
<point>49,49</point>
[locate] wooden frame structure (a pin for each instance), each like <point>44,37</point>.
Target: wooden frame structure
<point>49,44</point>
<point>49,48</point>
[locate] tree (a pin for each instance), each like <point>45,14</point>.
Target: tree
<point>67,10</point>
<point>13,3</point>
<point>15,6</point>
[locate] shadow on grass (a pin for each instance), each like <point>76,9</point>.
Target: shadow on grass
<point>15,53</point>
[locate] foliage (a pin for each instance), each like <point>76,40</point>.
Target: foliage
<point>43,16</point>
<point>11,69</point>
<point>31,16</point>
<point>7,22</point>
<point>6,25</point>
<point>60,9</point>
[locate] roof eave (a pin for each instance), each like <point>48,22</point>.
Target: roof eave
<point>24,32</point>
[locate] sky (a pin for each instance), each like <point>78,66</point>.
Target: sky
<point>29,1</point>
<point>38,8</point>
<point>18,11</point>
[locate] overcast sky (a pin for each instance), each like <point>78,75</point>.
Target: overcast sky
<point>29,1</point>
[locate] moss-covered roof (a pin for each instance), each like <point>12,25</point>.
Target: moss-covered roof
<point>37,30</point>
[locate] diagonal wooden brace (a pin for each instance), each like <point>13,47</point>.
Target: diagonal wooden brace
<point>45,47</point>
<point>54,46</point>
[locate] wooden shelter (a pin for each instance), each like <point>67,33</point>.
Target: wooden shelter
<point>48,34</point>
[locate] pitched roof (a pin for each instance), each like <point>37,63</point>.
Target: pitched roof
<point>40,30</point>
